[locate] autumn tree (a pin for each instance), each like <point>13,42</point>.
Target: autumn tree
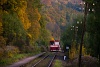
<point>34,17</point>
<point>15,22</point>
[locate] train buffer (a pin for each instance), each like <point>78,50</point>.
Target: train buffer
<point>25,61</point>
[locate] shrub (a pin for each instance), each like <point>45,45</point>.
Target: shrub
<point>2,45</point>
<point>10,51</point>
<point>19,43</point>
<point>2,41</point>
<point>87,61</point>
<point>28,49</point>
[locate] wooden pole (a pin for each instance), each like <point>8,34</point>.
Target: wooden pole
<point>83,33</point>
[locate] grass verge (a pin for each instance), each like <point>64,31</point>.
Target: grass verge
<point>58,63</point>
<point>15,58</point>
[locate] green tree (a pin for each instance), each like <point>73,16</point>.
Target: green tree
<point>12,27</point>
<point>45,34</point>
<point>93,24</point>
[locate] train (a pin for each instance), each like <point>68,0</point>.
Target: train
<point>55,45</point>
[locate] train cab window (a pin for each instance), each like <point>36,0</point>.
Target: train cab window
<point>51,42</point>
<point>56,43</point>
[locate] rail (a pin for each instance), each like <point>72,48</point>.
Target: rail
<point>51,61</point>
<point>40,61</point>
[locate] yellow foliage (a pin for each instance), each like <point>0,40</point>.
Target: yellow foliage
<point>34,18</point>
<point>34,30</point>
<point>14,34</point>
<point>8,51</point>
<point>83,50</point>
<point>36,15</point>
<point>0,24</point>
<point>11,50</point>
<point>24,18</point>
<point>30,36</point>
<point>52,38</point>
<point>23,15</point>
<point>10,54</point>
<point>73,51</point>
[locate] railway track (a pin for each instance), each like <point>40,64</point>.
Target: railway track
<point>45,62</point>
<point>39,61</point>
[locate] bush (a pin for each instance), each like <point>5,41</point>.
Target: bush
<point>31,49</point>
<point>87,61</point>
<point>19,43</point>
<point>6,53</point>
<point>10,51</point>
<point>2,41</point>
<point>27,49</point>
<point>2,46</point>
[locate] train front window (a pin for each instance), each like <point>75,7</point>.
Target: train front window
<point>56,43</point>
<point>51,42</point>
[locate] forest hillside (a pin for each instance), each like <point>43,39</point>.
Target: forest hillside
<point>59,14</point>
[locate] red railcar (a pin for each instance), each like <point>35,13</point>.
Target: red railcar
<point>55,45</point>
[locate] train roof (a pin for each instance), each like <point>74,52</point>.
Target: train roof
<point>57,40</point>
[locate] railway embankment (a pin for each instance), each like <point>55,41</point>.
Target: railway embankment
<point>26,60</point>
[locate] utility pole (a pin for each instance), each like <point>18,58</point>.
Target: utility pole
<point>83,32</point>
